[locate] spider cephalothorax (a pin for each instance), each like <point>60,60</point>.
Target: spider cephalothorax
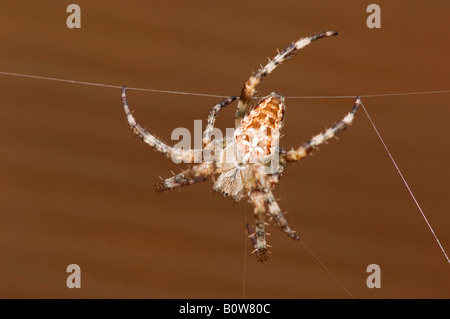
<point>250,162</point>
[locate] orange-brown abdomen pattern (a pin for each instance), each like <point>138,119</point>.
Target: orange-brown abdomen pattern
<point>259,132</point>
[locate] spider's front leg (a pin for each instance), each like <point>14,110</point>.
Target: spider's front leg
<point>198,173</point>
<point>297,154</point>
<point>249,87</point>
<point>178,155</point>
<point>275,212</point>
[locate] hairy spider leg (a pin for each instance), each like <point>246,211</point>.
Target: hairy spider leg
<point>295,155</point>
<point>186,156</point>
<point>195,174</point>
<point>212,115</point>
<point>249,87</point>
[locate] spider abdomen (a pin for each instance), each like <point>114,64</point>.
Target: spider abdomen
<point>258,134</point>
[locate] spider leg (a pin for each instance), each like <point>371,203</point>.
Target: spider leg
<point>306,148</point>
<point>213,113</point>
<point>251,235</point>
<point>179,155</point>
<point>278,216</point>
<point>193,175</point>
<point>263,182</point>
<point>259,236</point>
<point>249,87</point>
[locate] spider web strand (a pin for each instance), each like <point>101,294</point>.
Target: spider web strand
<point>244,275</point>
<point>310,251</point>
<point>109,85</point>
<point>216,95</point>
<point>325,267</point>
<point>406,184</point>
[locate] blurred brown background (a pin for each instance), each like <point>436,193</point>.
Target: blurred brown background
<point>77,187</point>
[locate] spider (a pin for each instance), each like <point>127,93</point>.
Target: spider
<point>244,161</point>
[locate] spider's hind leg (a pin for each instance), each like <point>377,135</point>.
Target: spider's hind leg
<point>278,216</point>
<point>275,212</point>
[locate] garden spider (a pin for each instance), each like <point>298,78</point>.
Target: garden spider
<point>244,162</point>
